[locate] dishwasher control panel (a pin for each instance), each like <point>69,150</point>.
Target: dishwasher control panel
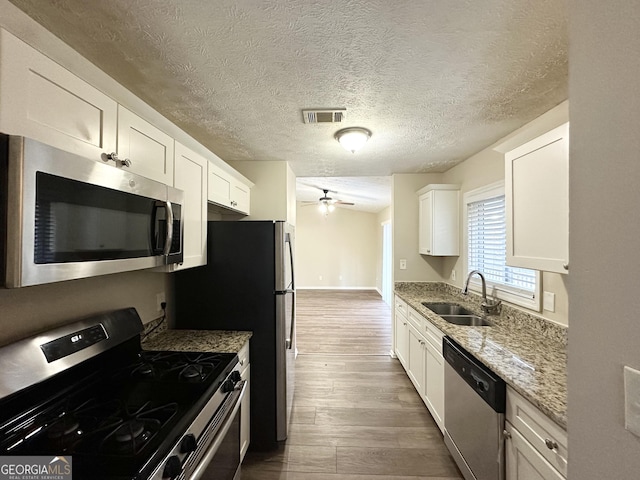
<point>490,387</point>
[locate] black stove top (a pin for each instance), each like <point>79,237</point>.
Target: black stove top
<point>118,414</point>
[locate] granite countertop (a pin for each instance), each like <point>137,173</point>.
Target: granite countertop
<point>527,352</point>
<point>217,341</point>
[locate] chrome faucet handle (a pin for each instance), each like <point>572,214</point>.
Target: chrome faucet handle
<point>492,306</point>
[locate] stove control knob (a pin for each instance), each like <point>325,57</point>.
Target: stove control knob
<point>235,376</point>
<point>228,386</point>
<point>188,443</point>
<point>172,468</point>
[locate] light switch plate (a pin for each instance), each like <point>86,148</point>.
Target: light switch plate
<point>403,264</point>
<point>632,400</point>
<point>549,301</point>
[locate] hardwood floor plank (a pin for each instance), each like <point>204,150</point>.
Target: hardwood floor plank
<point>355,416</point>
<point>395,461</point>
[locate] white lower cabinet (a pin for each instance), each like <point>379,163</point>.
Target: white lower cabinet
<point>245,406</point>
<point>419,349</point>
<point>402,339</point>
<point>416,359</point>
<point>523,462</point>
<point>536,448</point>
<point>434,383</point>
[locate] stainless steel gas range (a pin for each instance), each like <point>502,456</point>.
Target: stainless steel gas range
<point>86,391</point>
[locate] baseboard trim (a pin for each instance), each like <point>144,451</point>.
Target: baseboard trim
<point>337,288</point>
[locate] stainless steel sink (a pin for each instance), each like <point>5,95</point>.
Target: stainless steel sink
<point>442,308</point>
<point>456,314</point>
<point>467,320</point>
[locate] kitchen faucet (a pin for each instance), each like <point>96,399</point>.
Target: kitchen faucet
<point>489,306</point>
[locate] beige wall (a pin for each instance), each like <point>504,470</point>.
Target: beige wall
<point>420,268</point>
<point>382,217</point>
<point>487,167</point>
<point>273,195</point>
<point>604,68</point>
<point>26,311</point>
<point>342,243</point>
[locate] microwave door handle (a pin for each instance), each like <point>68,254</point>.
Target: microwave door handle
<point>169,238</point>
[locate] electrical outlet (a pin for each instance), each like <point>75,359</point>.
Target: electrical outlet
<point>340,277</point>
<point>320,277</point>
<point>453,274</point>
<point>632,400</point>
<point>160,299</point>
<point>403,264</point>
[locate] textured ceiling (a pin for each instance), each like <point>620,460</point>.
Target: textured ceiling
<point>435,81</point>
<point>369,194</point>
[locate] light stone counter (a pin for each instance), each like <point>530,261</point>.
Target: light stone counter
<point>216,341</point>
<point>527,352</point>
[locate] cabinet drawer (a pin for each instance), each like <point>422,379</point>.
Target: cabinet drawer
<point>433,336</point>
<point>401,306</point>
<point>544,435</point>
<point>416,320</point>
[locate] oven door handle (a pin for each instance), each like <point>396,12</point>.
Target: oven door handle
<point>239,392</point>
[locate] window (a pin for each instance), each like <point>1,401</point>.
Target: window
<point>487,250</point>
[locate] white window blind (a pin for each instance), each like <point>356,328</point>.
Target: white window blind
<point>487,237</point>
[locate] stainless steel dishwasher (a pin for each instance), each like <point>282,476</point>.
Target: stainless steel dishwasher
<point>475,399</point>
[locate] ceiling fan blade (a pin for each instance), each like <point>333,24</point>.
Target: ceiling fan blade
<point>340,202</point>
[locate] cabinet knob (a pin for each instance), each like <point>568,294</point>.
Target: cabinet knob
<point>565,266</point>
<point>506,434</point>
<point>551,445</point>
<point>122,162</point>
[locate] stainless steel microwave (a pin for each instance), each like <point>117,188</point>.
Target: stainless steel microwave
<point>69,217</point>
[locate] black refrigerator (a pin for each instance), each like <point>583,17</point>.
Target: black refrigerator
<point>248,284</point>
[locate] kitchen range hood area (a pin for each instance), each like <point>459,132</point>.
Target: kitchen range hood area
<point>478,358</point>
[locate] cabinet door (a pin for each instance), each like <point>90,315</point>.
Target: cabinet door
<point>425,231</point>
<point>220,186</point>
<point>416,359</point>
<point>42,100</point>
<point>434,384</point>
<point>241,197</point>
<point>150,150</point>
<point>523,462</point>
<point>245,413</point>
<point>402,340</point>
<point>537,203</point>
<point>191,176</point>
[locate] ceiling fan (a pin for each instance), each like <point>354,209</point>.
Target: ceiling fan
<point>326,203</point>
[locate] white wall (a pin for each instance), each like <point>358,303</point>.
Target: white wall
<point>273,197</point>
<point>343,243</point>
<point>604,68</point>
<point>420,268</point>
<point>28,310</point>
<point>382,217</point>
<point>488,167</point>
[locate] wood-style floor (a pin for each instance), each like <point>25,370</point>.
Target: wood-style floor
<point>355,416</point>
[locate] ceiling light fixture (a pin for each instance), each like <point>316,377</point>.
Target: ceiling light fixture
<point>353,138</point>
<point>326,207</point>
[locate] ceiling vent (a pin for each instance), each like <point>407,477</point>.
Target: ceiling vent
<point>324,115</point>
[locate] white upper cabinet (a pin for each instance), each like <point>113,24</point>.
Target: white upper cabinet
<point>439,216</point>
<point>537,202</point>
<point>40,99</point>
<point>190,176</point>
<point>150,151</point>
<point>227,191</point>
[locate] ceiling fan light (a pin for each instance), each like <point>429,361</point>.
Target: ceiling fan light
<point>323,207</point>
<point>331,207</point>
<point>353,138</point>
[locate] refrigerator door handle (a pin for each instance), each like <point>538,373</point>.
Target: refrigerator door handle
<point>288,241</point>
<point>288,343</point>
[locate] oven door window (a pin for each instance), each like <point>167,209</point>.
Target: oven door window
<point>80,222</point>
<point>225,463</point>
